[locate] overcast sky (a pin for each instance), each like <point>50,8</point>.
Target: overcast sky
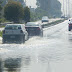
<point>33,2</point>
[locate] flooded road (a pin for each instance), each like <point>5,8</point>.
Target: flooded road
<point>50,53</point>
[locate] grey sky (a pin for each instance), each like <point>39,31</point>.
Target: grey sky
<point>31,3</point>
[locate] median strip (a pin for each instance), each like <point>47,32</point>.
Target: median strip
<point>52,23</point>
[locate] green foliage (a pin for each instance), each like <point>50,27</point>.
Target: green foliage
<point>26,14</point>
<point>33,16</point>
<point>44,4</point>
<point>2,20</point>
<point>1,33</point>
<point>13,11</point>
<point>4,2</point>
<point>38,14</point>
<point>0,10</point>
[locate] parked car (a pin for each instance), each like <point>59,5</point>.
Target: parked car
<point>45,19</point>
<point>14,33</point>
<point>70,24</point>
<point>34,28</point>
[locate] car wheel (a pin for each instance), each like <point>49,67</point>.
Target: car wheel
<point>69,29</point>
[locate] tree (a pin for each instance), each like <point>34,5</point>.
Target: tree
<point>0,8</point>
<point>0,11</point>
<point>26,14</point>
<point>4,2</point>
<point>13,11</point>
<point>50,7</point>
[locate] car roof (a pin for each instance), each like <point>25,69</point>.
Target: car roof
<point>45,17</point>
<point>15,24</point>
<point>32,23</point>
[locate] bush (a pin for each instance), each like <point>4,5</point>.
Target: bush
<point>1,33</point>
<point>13,11</point>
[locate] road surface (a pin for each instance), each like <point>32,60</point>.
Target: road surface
<point>50,53</point>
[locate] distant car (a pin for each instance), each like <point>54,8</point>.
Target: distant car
<point>65,17</point>
<point>14,33</point>
<point>70,25</point>
<point>45,19</point>
<point>34,28</point>
<point>62,16</point>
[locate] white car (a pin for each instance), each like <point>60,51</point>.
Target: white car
<point>14,33</point>
<point>45,19</point>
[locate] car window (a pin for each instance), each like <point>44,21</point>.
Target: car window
<point>13,27</point>
<point>32,24</point>
<point>45,17</point>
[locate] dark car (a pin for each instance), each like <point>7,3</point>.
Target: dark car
<point>14,33</point>
<point>34,28</point>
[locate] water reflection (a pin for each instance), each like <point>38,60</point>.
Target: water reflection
<point>12,64</point>
<point>27,60</point>
<point>1,70</point>
<point>70,37</point>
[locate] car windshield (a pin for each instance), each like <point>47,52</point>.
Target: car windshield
<point>32,24</point>
<point>13,27</point>
<point>44,17</point>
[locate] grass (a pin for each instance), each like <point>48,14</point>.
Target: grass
<point>1,33</point>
